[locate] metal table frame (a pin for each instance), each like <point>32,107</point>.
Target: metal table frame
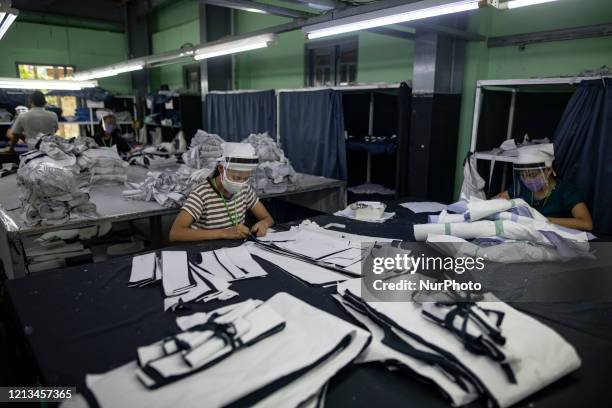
<point>318,193</point>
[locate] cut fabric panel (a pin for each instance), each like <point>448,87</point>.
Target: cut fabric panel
<point>527,355</point>
<point>300,360</point>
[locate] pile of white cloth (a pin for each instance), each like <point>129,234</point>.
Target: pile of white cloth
<point>102,165</point>
<point>168,188</point>
<point>274,173</point>
<point>48,182</point>
<point>469,350</point>
<point>154,157</point>
<point>219,358</point>
<point>501,231</point>
<point>204,150</point>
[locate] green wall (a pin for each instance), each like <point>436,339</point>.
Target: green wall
<point>544,59</point>
<point>171,27</point>
<point>52,44</point>
<point>380,58</point>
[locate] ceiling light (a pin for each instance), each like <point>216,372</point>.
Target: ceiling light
<point>232,47</point>
<point>393,15</point>
<point>522,3</point>
<point>108,71</point>
<point>7,18</point>
<point>16,83</point>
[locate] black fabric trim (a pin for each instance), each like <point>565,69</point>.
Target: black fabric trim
<point>519,166</point>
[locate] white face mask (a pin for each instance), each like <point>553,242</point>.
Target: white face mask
<point>231,187</point>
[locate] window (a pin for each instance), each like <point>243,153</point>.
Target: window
<point>331,63</point>
<point>68,104</point>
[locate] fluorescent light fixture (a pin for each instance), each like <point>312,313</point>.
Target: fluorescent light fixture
<point>232,47</point>
<point>108,71</point>
<point>6,20</point>
<point>522,3</point>
<point>392,15</point>
<point>253,10</point>
<point>67,84</point>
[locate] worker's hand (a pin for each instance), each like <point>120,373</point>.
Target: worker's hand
<point>237,232</point>
<point>260,229</point>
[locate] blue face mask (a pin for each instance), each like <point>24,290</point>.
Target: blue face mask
<point>110,128</point>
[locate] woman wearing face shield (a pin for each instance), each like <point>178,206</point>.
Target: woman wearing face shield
<point>534,181</point>
<point>110,135</point>
<point>216,208</point>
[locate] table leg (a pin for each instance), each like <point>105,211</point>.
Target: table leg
<point>369,168</point>
<point>155,229</point>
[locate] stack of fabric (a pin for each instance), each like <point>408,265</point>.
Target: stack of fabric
<point>473,350</point>
<point>102,165</point>
<point>274,173</point>
<point>170,188</point>
<point>154,157</point>
<point>204,150</point>
<point>502,231</point>
<point>48,181</point>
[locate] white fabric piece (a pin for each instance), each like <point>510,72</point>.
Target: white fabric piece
<point>61,235</point>
<point>309,334</point>
<point>423,206</point>
<point>143,268</point>
<point>473,184</point>
<point>377,351</point>
<point>312,274</point>
<point>242,259</point>
<point>197,291</point>
<point>313,244</point>
<point>175,272</point>
<point>212,265</point>
<point>544,355</point>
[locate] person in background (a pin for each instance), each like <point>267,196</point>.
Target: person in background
<point>534,181</point>
<point>33,123</point>
<point>109,134</point>
<point>216,208</point>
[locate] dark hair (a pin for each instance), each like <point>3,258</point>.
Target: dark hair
<point>38,99</point>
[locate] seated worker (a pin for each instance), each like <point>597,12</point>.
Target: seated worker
<point>109,134</point>
<point>534,181</point>
<point>216,208</point>
<point>37,121</point>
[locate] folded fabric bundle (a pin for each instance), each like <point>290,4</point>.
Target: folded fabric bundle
<point>204,150</point>
<point>48,187</point>
<point>301,347</point>
<point>103,165</point>
<point>274,173</point>
<point>468,350</point>
<point>524,233</point>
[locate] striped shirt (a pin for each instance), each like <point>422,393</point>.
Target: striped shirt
<point>206,207</point>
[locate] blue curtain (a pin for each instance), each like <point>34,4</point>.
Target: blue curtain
<point>235,116</point>
<point>583,147</point>
<point>312,132</point>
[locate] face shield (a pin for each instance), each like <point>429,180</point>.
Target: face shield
<point>533,177</point>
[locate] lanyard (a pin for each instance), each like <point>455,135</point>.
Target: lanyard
<point>110,141</point>
<point>234,219</point>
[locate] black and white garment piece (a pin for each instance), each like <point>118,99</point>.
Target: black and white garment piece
<point>231,264</point>
<point>299,360</point>
<point>306,272</point>
<point>536,354</point>
<point>144,270</point>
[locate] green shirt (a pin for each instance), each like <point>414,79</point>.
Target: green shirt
<point>559,203</point>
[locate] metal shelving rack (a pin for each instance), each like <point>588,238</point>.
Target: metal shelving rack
<point>514,86</point>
